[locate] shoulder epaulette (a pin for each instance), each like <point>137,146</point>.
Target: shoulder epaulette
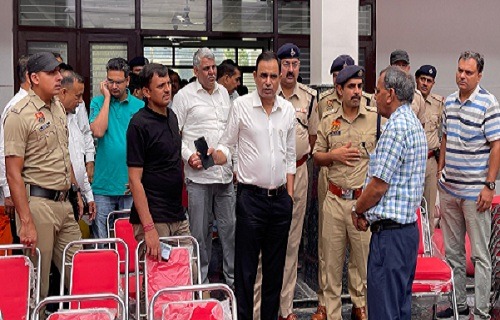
<point>20,105</point>
<point>326,93</point>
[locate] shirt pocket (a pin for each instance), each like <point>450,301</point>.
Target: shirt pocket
<point>47,136</point>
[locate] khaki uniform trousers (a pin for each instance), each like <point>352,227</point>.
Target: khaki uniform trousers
<point>337,232</point>
<point>322,191</point>
<point>292,251</point>
<point>430,190</point>
<point>56,227</point>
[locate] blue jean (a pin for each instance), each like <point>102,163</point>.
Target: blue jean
<point>104,205</point>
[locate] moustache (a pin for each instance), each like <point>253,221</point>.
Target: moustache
<point>289,74</point>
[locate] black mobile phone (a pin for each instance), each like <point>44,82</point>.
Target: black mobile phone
<point>202,147</point>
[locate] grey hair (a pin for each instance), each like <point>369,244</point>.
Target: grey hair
<point>69,78</point>
<point>466,55</point>
<point>202,53</point>
<point>402,83</point>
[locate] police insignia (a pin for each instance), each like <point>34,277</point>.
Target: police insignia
<point>335,125</point>
<point>292,52</point>
<point>330,103</point>
<point>40,117</point>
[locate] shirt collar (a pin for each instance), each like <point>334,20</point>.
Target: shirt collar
<point>127,99</point>
<point>294,92</point>
<point>200,87</point>
<point>37,102</point>
<point>472,97</point>
<point>257,103</point>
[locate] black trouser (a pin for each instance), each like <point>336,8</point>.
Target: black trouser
<point>262,224</point>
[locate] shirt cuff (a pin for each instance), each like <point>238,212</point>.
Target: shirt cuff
<point>225,151</point>
<point>89,196</point>
<point>89,157</point>
<point>6,191</point>
<point>186,153</point>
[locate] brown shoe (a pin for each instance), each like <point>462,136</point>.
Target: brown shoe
<point>358,313</point>
<point>320,314</point>
<point>291,316</point>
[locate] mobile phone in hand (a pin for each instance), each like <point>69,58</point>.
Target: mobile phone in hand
<point>165,251</point>
<point>201,145</point>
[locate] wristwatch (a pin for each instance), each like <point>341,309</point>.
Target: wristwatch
<point>353,209</point>
<point>75,188</point>
<point>490,185</point>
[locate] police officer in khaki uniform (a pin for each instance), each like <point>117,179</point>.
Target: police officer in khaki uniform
<point>304,101</point>
<point>39,171</point>
<point>330,100</point>
<point>401,59</point>
<point>346,136</point>
<point>425,78</point>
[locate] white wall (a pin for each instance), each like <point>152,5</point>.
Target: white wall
<point>6,54</point>
<point>435,32</point>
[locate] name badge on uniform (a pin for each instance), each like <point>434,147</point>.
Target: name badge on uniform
<point>40,117</point>
<point>301,110</point>
<point>44,126</point>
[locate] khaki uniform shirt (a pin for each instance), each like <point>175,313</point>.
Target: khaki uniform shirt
<point>39,134</point>
<point>336,131</point>
<point>418,106</point>
<point>301,98</point>
<point>329,100</point>
<point>434,105</point>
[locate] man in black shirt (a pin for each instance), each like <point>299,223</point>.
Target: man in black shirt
<point>154,164</point>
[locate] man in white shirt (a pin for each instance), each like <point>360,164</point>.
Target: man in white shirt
<point>202,108</point>
<point>262,125</point>
<point>71,95</point>
<point>22,73</point>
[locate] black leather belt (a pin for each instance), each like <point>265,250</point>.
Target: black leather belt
<point>388,224</point>
<point>263,191</point>
<point>55,195</point>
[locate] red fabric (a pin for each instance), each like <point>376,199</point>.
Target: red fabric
<point>194,310</point>
<point>421,246</point>
<point>496,201</point>
<point>5,233</point>
<point>438,240</point>
<point>125,231</point>
<point>95,271</point>
<point>432,275</point>
<point>14,286</point>
<point>82,315</point>
<point>165,274</point>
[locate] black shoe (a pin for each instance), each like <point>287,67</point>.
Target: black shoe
<point>448,313</point>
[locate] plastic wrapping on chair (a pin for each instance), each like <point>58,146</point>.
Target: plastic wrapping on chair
<point>438,243</point>
<point>87,314</point>
<point>172,273</point>
<point>432,275</point>
<point>193,310</point>
<point>17,279</point>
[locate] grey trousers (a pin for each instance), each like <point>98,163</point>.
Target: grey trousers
<point>460,216</point>
<point>206,201</point>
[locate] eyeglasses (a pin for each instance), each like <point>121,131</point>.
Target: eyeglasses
<point>287,64</point>
<point>112,82</point>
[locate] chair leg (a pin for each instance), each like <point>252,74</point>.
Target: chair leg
<point>434,311</point>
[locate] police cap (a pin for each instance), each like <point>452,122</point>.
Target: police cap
<point>288,51</point>
<point>426,70</point>
<point>341,62</point>
<point>350,72</point>
<point>399,55</point>
<point>42,61</point>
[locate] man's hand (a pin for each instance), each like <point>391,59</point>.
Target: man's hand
<point>195,161</point>
<point>346,154</point>
<point>28,235</point>
<point>484,199</point>
<point>104,89</point>
<point>92,210</point>
<point>80,204</point>
<point>359,221</point>
<point>10,210</point>
<point>153,248</point>
<point>90,170</point>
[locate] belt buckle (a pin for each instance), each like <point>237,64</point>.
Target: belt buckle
<point>60,196</point>
<point>347,194</point>
<point>377,227</point>
<point>272,192</point>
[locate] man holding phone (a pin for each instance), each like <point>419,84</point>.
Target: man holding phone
<point>202,108</point>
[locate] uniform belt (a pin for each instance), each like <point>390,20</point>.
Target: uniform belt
<point>263,191</point>
<point>348,194</point>
<point>431,154</point>
<point>388,224</point>
<point>302,160</point>
<point>54,195</point>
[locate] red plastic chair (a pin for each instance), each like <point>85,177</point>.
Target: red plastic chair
<point>177,271</point>
<point>202,309</point>
<point>124,230</point>
<point>82,314</point>
<point>112,217</point>
<point>96,271</point>
<point>19,283</point>
<point>433,275</point>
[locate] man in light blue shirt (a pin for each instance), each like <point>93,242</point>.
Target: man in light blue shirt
<point>467,170</point>
<point>393,192</point>
<point>110,115</point>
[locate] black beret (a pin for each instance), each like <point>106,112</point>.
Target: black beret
<point>350,72</point>
<point>42,61</point>
<point>341,62</point>
<point>426,70</point>
<point>288,50</point>
<point>399,55</point>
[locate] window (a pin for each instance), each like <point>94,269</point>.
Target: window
<point>118,14</point>
<point>242,16</point>
<point>365,20</point>
<point>293,17</point>
<point>53,13</point>
<point>58,47</point>
<point>174,14</point>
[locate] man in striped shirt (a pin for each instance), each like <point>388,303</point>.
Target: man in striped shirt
<point>468,166</point>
